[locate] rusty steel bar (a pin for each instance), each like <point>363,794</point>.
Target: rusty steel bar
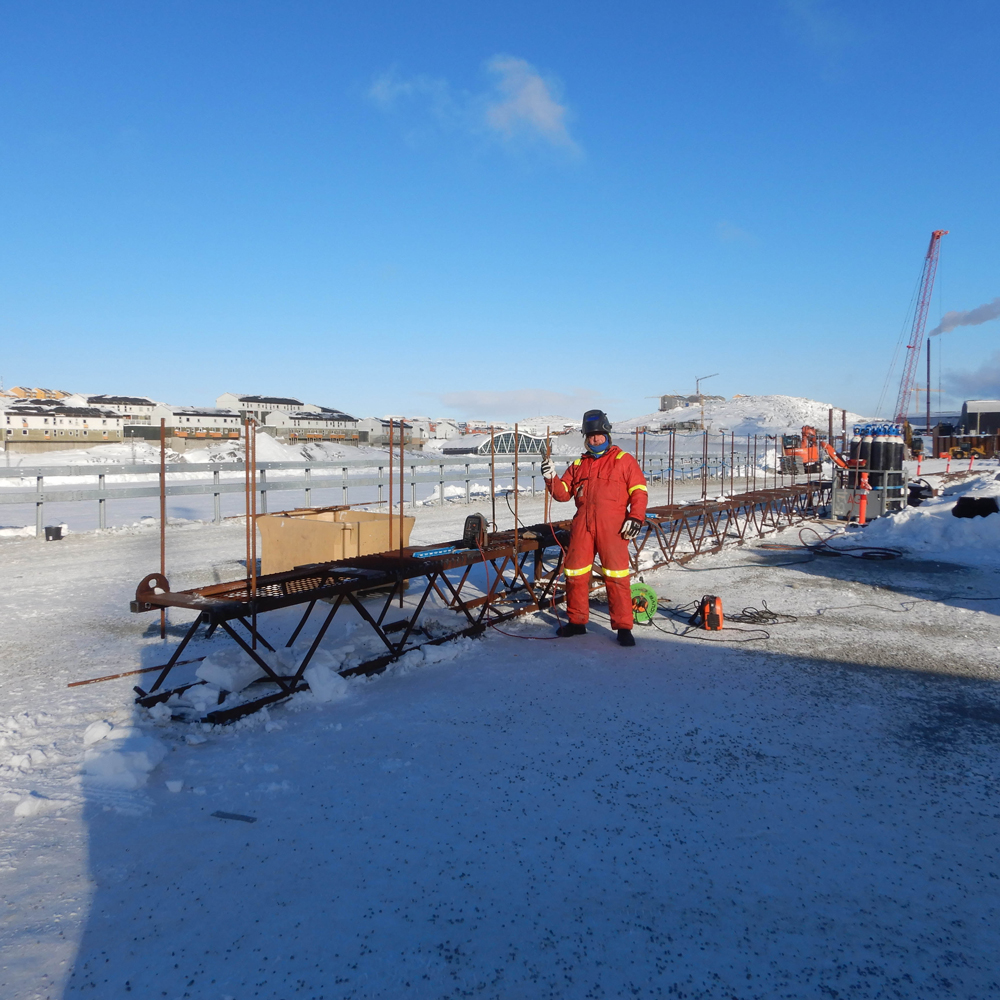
<point>402,496</point>
<point>493,477</point>
<point>163,516</point>
<point>517,442</point>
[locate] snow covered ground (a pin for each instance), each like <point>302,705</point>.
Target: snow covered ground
<point>804,815</point>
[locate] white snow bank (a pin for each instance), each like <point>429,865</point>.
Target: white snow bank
<point>35,804</point>
<point>932,532</point>
<point>122,759</point>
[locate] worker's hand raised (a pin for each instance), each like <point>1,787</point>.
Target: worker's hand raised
<point>548,469</point>
<point>630,528</point>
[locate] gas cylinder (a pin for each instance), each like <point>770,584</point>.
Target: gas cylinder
<point>865,451</point>
<point>853,453</point>
<point>876,478</point>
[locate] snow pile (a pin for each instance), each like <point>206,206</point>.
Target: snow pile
<point>931,531</point>
<point>119,757</point>
<point>748,415</point>
<point>36,804</point>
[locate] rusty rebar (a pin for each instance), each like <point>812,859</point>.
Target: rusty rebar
<point>548,455</point>
<point>402,496</point>
<point>493,477</point>
<point>517,442</point>
<point>163,517</point>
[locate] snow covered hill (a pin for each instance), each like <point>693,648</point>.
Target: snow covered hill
<point>749,415</point>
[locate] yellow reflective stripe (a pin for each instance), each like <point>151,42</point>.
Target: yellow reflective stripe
<point>617,573</point>
<point>632,489</point>
<point>577,462</point>
<point>620,455</point>
<point>579,572</point>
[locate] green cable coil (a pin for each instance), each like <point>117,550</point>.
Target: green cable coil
<point>643,602</point>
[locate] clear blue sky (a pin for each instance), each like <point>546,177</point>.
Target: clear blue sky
<point>492,208</point>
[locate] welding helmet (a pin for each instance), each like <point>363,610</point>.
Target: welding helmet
<point>596,422</point>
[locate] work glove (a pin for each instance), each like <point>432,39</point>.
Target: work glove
<point>548,469</point>
<point>630,528</point>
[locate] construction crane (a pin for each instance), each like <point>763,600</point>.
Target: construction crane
<point>919,322</point>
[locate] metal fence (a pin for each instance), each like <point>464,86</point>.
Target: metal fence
<point>347,476</point>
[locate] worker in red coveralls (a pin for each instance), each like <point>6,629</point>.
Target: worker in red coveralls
<point>610,493</point>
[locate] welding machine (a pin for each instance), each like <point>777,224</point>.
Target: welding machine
<point>709,614</point>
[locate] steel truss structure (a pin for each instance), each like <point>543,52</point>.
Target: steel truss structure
<point>512,573</point>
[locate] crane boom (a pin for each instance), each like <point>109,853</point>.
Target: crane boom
<point>919,322</point>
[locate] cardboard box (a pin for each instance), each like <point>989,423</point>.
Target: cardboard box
<point>323,534</point>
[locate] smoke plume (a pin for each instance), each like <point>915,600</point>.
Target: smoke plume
<point>983,383</point>
<point>972,317</point>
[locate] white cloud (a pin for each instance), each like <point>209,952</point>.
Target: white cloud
<point>520,107</point>
<point>525,104</point>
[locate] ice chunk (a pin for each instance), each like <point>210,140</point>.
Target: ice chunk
<point>202,698</point>
<point>325,683</point>
<point>123,763</point>
<point>34,804</point>
<point>175,785</point>
<point>96,731</point>
<point>229,670</point>
<point>160,713</point>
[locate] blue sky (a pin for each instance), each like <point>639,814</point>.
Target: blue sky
<point>493,209</point>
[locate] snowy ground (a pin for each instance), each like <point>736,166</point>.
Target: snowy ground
<point>809,815</point>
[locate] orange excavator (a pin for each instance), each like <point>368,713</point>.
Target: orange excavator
<point>800,452</point>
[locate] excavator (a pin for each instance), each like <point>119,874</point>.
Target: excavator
<point>800,453</point>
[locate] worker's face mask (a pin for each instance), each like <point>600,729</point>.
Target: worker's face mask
<point>597,444</point>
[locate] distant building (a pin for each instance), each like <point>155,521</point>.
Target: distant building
<point>670,402</point>
<point>375,431</point>
<point>981,416</point>
<point>33,425</point>
<point>24,393</point>
<point>188,426</point>
<point>445,429</point>
<point>307,425</point>
<point>134,409</point>
<point>259,408</point>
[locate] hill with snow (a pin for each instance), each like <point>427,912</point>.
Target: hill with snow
<point>748,415</point>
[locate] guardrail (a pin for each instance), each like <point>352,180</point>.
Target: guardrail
<point>353,474</point>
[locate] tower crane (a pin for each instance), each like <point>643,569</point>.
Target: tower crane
<point>919,322</point>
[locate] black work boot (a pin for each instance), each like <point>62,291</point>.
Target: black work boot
<point>625,637</point>
<point>570,629</point>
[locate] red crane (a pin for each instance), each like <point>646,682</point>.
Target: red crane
<point>919,322</point>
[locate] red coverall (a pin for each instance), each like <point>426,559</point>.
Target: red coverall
<point>607,490</point>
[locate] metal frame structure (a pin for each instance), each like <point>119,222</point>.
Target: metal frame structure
<point>512,573</point>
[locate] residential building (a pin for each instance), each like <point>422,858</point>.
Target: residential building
<point>259,408</point>
<point>34,425</point>
<point>375,431</point>
<point>307,425</point>
<point>134,409</point>
<point>201,422</point>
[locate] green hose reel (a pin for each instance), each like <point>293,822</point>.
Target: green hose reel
<point>643,603</point>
